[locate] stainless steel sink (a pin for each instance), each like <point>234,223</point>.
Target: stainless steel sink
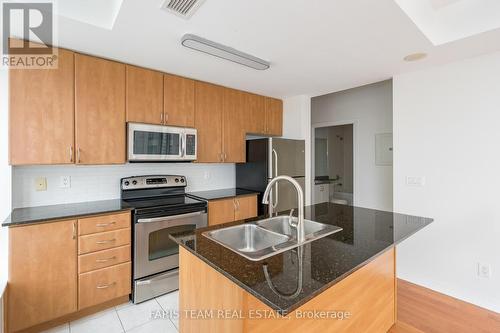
<point>248,240</point>
<point>283,225</point>
<point>268,237</point>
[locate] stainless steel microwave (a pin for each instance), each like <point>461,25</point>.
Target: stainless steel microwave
<point>157,143</point>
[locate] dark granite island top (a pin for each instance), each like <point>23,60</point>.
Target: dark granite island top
<point>30,215</point>
<point>366,234</point>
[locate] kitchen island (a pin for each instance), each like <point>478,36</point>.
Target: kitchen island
<point>345,282</point>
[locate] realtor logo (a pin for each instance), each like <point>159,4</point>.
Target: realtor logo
<point>32,24</point>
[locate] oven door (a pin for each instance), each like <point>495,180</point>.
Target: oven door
<point>154,251</point>
<point>154,142</point>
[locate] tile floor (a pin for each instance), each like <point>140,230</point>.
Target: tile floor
<point>147,317</point>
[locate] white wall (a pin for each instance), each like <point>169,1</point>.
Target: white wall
<point>297,125</point>
<point>370,109</point>
<point>447,129</point>
<point>90,183</point>
<point>5,183</point>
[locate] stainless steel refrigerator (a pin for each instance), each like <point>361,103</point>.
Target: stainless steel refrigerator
<point>268,158</point>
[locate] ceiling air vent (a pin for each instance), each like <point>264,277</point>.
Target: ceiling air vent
<point>182,8</point>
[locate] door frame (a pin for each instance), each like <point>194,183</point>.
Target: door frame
<point>354,124</point>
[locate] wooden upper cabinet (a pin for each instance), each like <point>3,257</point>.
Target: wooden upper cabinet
<point>208,121</point>
<point>42,113</point>
<point>179,101</point>
<point>234,122</point>
<point>256,113</point>
<point>274,116</point>
<point>100,110</point>
<point>42,273</point>
<point>144,95</point>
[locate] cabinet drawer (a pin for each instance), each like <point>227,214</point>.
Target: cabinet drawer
<point>101,259</point>
<point>103,240</point>
<point>104,284</point>
<point>92,225</point>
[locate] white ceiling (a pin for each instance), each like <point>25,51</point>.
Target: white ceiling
<point>314,46</point>
<point>444,21</point>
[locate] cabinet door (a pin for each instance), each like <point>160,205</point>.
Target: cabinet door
<point>256,114</point>
<point>274,116</point>
<point>100,110</point>
<point>246,207</point>
<point>42,273</point>
<point>208,121</point>
<point>221,211</point>
<point>144,95</point>
<point>234,122</point>
<point>178,101</point>
<point>42,113</point>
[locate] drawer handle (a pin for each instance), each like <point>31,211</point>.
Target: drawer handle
<point>104,286</point>
<point>106,241</point>
<point>105,260</point>
<point>102,225</point>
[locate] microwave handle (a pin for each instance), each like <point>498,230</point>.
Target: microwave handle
<point>183,144</point>
<point>170,218</point>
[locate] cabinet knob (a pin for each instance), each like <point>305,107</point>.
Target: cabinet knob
<point>71,153</point>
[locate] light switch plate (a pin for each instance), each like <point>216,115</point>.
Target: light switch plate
<point>41,184</point>
<point>484,270</point>
<point>65,182</point>
<point>415,181</point>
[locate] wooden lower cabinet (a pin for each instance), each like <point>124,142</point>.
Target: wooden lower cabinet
<point>49,280</point>
<point>103,285</point>
<point>232,209</point>
<point>368,295</point>
<point>42,273</point>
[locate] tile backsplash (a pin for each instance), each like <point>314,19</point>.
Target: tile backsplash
<point>90,183</point>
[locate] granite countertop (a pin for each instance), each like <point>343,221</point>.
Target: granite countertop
<point>220,194</point>
<point>366,234</point>
<point>30,215</point>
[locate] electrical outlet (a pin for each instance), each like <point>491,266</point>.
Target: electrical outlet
<point>206,175</point>
<point>41,184</point>
<point>415,181</point>
<point>484,270</point>
<point>65,182</point>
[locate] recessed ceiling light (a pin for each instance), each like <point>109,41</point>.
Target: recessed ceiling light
<point>415,57</point>
<point>221,51</point>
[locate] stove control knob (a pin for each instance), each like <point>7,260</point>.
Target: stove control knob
<point>176,180</point>
<point>134,182</point>
<point>126,183</point>
<point>182,180</point>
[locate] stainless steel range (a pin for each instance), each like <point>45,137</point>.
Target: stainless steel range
<point>160,208</point>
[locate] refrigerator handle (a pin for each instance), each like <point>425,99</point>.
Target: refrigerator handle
<point>274,204</point>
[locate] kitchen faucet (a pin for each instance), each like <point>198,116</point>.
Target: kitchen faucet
<point>300,202</point>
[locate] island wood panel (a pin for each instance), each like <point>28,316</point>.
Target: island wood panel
<point>368,294</point>
<point>255,114</point>
<point>274,116</point>
<point>42,273</point>
<point>144,95</point>
<point>41,113</point>
<point>178,100</point>
<point>233,130</point>
<point>433,312</point>
<point>221,211</point>
<point>100,110</point>
<point>201,287</point>
<point>246,207</point>
<point>208,121</point>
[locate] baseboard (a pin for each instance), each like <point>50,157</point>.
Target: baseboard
<point>433,312</point>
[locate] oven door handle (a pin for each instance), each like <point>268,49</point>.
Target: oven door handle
<point>169,218</point>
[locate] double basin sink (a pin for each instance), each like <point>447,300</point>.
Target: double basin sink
<point>265,238</point>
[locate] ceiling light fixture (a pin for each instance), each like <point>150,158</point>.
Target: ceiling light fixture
<point>221,51</point>
<point>415,57</point>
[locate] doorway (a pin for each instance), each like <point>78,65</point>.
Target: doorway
<point>334,164</point>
